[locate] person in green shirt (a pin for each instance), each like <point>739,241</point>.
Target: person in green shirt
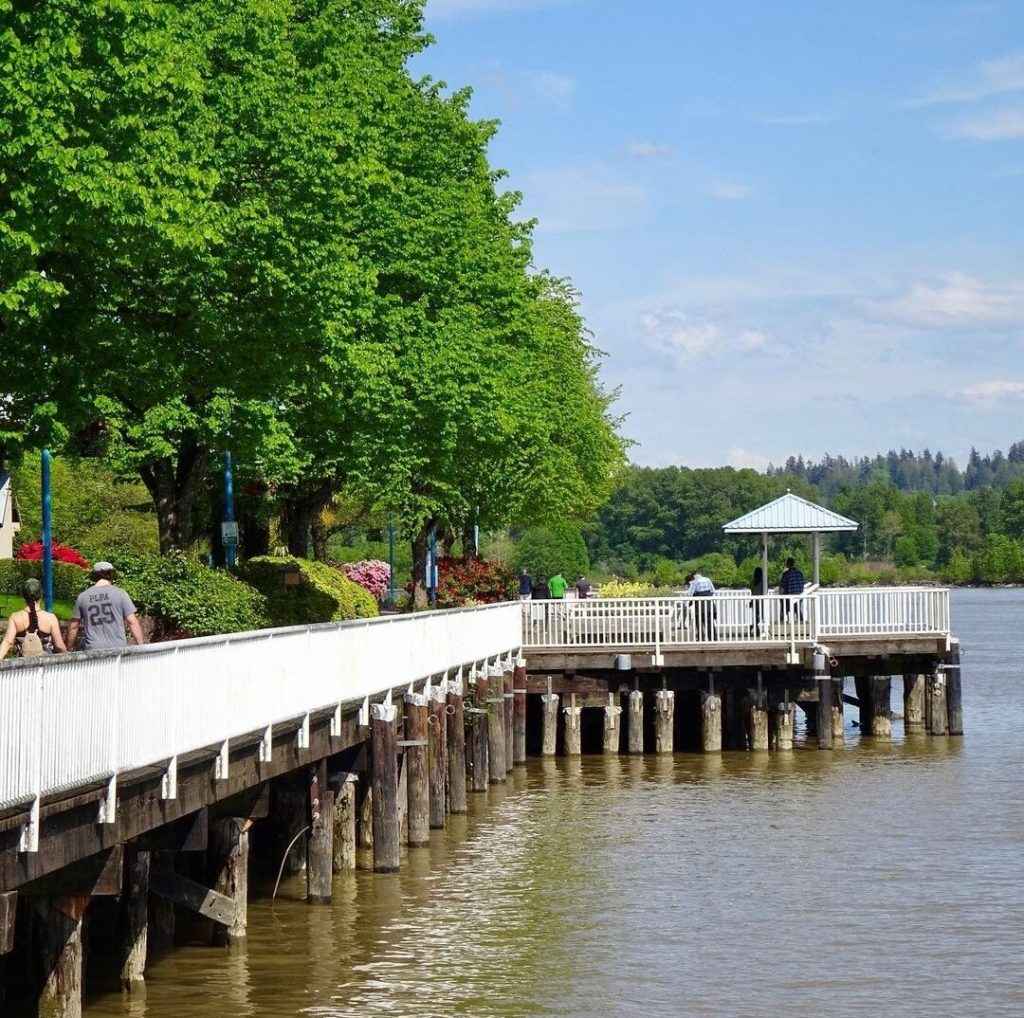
<point>558,585</point>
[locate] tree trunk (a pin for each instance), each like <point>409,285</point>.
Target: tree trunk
<point>302,506</point>
<point>469,549</point>
<point>173,486</point>
<point>319,534</point>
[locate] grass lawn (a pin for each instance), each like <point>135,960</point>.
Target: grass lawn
<point>12,603</point>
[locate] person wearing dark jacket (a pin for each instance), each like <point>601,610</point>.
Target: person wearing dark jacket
<point>541,590</point>
<point>525,586</point>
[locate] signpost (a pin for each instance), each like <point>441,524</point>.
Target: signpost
<point>229,528</point>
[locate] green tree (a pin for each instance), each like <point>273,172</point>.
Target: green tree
<point>552,549</point>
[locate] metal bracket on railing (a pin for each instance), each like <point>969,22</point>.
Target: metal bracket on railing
<point>169,784</point>
<point>303,733</point>
<point>29,840</point>
<point>108,804</point>
<point>267,744</point>
<point>221,765</point>
<point>336,722</point>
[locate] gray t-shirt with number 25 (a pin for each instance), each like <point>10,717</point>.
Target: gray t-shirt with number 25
<point>102,610</point>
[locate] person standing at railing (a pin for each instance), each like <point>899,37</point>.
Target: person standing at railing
<point>792,583</point>
<point>758,588</point>
<point>558,585</point>
<point>541,590</point>
<point>102,612</point>
<point>32,631</point>
<point>525,586</point>
<point>583,588</point>
<point>700,586</point>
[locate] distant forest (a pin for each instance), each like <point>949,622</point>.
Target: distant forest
<point>920,516</point>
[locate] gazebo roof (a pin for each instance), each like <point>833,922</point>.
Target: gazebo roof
<point>790,514</point>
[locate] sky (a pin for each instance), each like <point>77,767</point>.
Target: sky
<point>797,227</point>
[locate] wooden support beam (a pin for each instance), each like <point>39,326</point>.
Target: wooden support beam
<point>913,703</point>
<point>881,710</point>
<point>519,714</point>
<point>386,826</point>
<point>549,736</point>
<point>612,724</point>
<point>824,712</point>
<point>938,711</point>
<point>954,692</point>
<point>573,735</point>
<point>838,720</point>
<point>496,728</point>
<point>345,825</point>
<point>758,726</point>
<point>456,742</point>
<point>710,722</point>
<point>480,737</point>
<point>416,769</point>
<point>664,721</point>
<point>508,694</point>
<point>785,724</point>
<point>320,837</point>
<point>437,755</point>
<point>635,726</point>
<point>8,909</point>
<point>186,834</point>
<point>229,872</point>
<point>100,874</point>
<point>191,895</point>
<point>58,948</point>
<point>133,924</point>
<point>160,934</point>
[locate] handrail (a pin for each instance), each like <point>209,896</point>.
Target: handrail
<point>77,718</point>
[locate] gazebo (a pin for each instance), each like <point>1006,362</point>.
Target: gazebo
<point>790,514</point>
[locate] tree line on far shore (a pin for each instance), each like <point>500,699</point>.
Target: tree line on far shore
<point>245,226</point>
<point>661,519</point>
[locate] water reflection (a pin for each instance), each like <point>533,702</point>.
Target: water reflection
<point>881,878</point>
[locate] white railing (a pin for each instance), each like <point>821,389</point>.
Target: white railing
<point>76,719</point>
<point>737,617</point>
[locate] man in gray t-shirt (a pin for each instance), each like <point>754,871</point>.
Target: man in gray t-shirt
<point>102,612</point>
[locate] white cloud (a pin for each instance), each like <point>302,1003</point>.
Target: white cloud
<point>674,333</point>
<point>648,149</point>
<point>740,458</point>
<point>752,340</point>
<point>728,190</point>
<point>955,301</point>
<point>998,125</point>
<point>990,393</point>
<point>993,77</point>
<point>582,198</point>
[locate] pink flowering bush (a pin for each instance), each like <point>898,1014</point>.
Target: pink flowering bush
<point>371,574</point>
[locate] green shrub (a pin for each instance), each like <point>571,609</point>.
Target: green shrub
<point>550,550</point>
<point>68,580</point>
<point>184,597</point>
<point>323,593</point>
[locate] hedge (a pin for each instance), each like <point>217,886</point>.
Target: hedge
<point>322,594</point>
<point>68,581</point>
<point>185,597</point>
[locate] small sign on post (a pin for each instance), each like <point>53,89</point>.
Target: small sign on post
<point>229,534</point>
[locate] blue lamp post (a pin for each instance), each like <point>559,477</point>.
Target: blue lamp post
<point>229,528</point>
<point>47,500</point>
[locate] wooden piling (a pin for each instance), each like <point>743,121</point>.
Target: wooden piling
<point>635,727</point>
<point>519,713</point>
<point>384,752</point>
<point>479,743</point>
<point>160,933</point>
<point>913,703</point>
<point>320,837</point>
<point>785,725</point>
<point>508,694</point>
<point>496,727</point>
<point>711,722</point>
<point>229,861</point>
<point>954,692</point>
<point>865,709</point>
<point>664,721</point>
<point>456,742</point>
<point>881,713</point>
<point>133,927</point>
<point>437,754</point>
<point>573,729</point>
<point>838,720</point>
<point>612,715</point>
<point>59,952</point>
<point>938,712</point>
<point>824,712</point>
<point>758,727</point>
<point>345,826</point>
<point>549,736</point>
<point>416,768</point>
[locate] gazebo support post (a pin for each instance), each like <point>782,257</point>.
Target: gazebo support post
<point>817,558</point>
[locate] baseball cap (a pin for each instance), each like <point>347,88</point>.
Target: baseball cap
<point>102,567</point>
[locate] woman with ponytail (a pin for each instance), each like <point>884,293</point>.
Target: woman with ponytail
<point>31,630</point>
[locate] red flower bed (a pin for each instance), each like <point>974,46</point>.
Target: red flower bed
<point>481,580</point>
<point>32,551</point>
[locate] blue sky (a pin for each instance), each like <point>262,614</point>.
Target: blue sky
<point>797,227</point>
